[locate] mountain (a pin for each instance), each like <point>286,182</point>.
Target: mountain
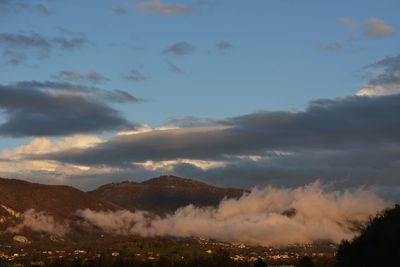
<point>163,194</point>
<point>17,196</point>
<point>159,195</point>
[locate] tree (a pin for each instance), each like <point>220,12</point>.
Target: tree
<point>377,245</point>
<point>259,263</point>
<point>305,262</point>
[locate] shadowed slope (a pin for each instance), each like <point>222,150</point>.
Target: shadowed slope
<point>59,201</point>
<point>164,194</point>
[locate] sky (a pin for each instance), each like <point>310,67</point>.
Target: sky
<point>235,93</point>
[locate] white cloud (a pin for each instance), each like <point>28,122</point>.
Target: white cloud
<point>46,145</point>
<point>255,218</point>
<point>379,90</point>
<point>170,164</point>
<point>14,161</point>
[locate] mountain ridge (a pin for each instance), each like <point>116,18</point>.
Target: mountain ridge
<point>60,201</point>
<point>164,194</point>
<point>160,195</point>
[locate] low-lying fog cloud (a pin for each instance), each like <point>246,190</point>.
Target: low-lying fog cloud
<point>270,216</point>
<point>40,222</point>
<point>258,218</point>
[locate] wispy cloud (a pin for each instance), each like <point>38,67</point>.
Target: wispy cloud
<point>174,68</point>
<point>156,6</point>
<point>332,47</point>
<point>374,28</point>
<point>119,10</point>
<point>20,6</point>
<point>191,121</point>
<point>348,22</point>
<point>18,46</point>
<point>136,75</point>
<point>115,95</point>
<point>223,45</point>
<point>72,75</point>
<point>178,49</point>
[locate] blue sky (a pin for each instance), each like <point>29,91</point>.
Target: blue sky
<point>272,56</point>
<point>276,60</point>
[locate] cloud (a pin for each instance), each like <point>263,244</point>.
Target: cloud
<point>119,10</point>
<point>378,90</point>
<point>332,47</point>
<point>348,22</point>
<point>258,217</point>
<point>42,9</point>
<point>34,40</point>
<point>40,222</point>
<point>136,75</point>
<point>174,68</point>
<point>385,79</point>
<point>391,71</point>
<point>191,122</point>
<point>91,76</point>
<point>115,95</point>
<point>14,58</point>
<point>16,46</point>
<point>44,145</point>
<point>377,28</point>
<point>374,28</point>
<point>57,111</point>
<point>178,49</point>
<point>20,6</point>
<point>119,96</point>
<point>13,164</point>
<point>325,124</point>
<point>222,46</point>
<point>349,141</point>
<point>156,6</point>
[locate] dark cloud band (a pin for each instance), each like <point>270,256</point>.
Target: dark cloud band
<point>325,125</point>
<point>61,111</point>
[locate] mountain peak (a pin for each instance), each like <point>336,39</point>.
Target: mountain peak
<point>169,180</point>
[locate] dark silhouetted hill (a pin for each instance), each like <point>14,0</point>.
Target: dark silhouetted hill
<point>377,245</point>
<point>164,194</point>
